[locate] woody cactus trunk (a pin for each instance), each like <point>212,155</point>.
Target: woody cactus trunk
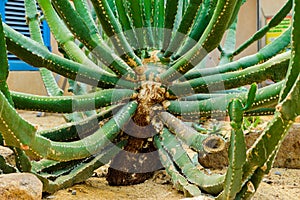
<point>145,63</point>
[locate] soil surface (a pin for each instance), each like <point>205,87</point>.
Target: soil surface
<point>280,184</point>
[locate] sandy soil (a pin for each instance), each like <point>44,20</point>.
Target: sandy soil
<point>281,184</point>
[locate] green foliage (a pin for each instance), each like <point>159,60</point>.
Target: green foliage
<point>142,60</point>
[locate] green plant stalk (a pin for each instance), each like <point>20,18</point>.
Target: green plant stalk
<point>76,130</point>
<point>266,97</point>
<point>184,27</point>
<point>135,12</point>
<point>35,34</point>
<point>82,9</point>
<point>229,44</point>
<point>4,68</point>
<point>63,36</point>
<point>127,26</point>
<point>37,55</point>
<point>287,110</point>
<point>169,19</point>
<point>210,183</point>
<point>80,30</point>
<point>146,6</point>
<point>179,181</point>
<point>187,134</point>
<point>114,31</point>
<point>274,69</point>
<point>263,54</point>
<point>283,12</point>
<point>158,23</point>
<point>81,171</point>
<point>236,152</point>
<point>69,104</point>
<point>208,41</point>
<point>27,138</point>
<point>198,28</point>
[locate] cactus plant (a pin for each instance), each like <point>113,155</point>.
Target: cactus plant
<point>145,58</point>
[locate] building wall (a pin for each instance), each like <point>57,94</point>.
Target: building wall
<point>269,7</point>
<point>247,25</point>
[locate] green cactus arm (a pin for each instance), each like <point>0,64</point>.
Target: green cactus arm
<point>258,154</point>
<point>209,183</point>
<point>136,16</point>
<point>187,134</point>
<point>265,97</point>
<point>69,104</point>
<point>33,22</point>
<point>256,179</point>
<point>169,20</point>
<point>209,41</point>
<point>74,22</point>
<point>265,53</point>
<point>199,26</point>
<point>127,24</point>
<point>113,7</point>
<point>81,31</point>
<point>50,83</point>
<point>158,23</point>
<point>82,9</point>
<point>179,181</point>
<point>10,123</point>
<point>78,129</point>
<point>286,111</point>
<point>294,70</point>
<point>274,69</point>
<point>81,171</point>
<point>261,156</point>
<point>22,161</point>
<point>63,36</point>
<point>37,55</point>
<point>185,25</point>
<point>90,145</point>
<point>28,139</point>
<point>146,6</point>
<point>78,89</point>
<point>229,44</point>
<point>4,68</point>
<point>282,13</point>
<point>54,170</point>
<point>251,97</point>
<point>5,167</point>
<point>114,31</point>
<point>32,19</point>
<point>236,152</point>
<point>236,12</point>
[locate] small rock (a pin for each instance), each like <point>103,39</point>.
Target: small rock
<point>50,197</point>
<point>20,186</point>
<point>277,173</point>
<point>161,177</point>
<point>73,192</point>
<point>268,181</point>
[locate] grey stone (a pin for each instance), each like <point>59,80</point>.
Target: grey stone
<point>20,186</point>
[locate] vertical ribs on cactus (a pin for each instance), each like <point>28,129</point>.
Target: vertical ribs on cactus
<point>143,57</point>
